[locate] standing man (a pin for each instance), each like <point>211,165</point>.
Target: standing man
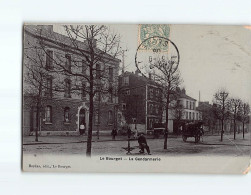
<point>143,144</point>
<point>129,132</point>
<point>114,133</point>
<point>82,128</point>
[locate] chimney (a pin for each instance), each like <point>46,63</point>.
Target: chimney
<point>183,91</point>
<point>137,72</point>
<point>94,43</point>
<point>150,76</point>
<point>48,28</point>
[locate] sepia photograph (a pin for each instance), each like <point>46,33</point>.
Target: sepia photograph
<point>144,93</point>
<point>125,97</point>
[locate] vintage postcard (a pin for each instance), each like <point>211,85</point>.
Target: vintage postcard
<point>147,98</point>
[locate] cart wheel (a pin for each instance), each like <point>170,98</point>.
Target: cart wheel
<point>197,138</point>
<point>184,138</point>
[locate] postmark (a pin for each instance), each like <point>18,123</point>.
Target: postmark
<point>153,30</point>
<point>158,53</point>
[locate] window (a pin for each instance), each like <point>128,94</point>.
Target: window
<point>111,94</point>
<point>151,93</point>
<point>98,71</point>
<point>186,115</point>
<point>157,93</point>
<point>190,105</point>
<point>127,92</point>
<point>48,114</point>
<point>83,92</point>
<point>125,81</point>
<point>110,118</point>
<point>187,105</point>
<point>96,117</point>
<point>193,116</point>
<point>123,106</point>
<point>193,105</point>
<point>110,74</point>
<point>189,115</point>
<point>67,114</point>
<point>67,88</point>
<point>150,124</point>
<point>68,62</point>
<point>119,118</point>
<point>49,87</point>
<point>49,59</point>
<point>197,116</point>
<point>156,109</point>
<point>84,67</point>
<point>150,109</point>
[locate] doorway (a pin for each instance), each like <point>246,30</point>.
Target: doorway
<point>82,124</point>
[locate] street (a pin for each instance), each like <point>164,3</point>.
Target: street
<point>209,145</point>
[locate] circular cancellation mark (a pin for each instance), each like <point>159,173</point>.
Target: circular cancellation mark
<point>154,53</point>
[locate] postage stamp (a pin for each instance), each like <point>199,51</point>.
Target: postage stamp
<point>146,31</point>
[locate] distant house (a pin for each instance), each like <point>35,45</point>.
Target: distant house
<point>140,100</point>
<point>187,112</point>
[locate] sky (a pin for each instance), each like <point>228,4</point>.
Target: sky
<point>211,57</point>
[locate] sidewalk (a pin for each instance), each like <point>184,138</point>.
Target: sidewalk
<point>30,140</point>
<point>207,139</point>
<point>227,140</point>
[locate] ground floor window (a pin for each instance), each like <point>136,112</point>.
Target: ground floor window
<point>48,111</point>
<point>96,117</point>
<point>67,114</point>
<point>110,118</point>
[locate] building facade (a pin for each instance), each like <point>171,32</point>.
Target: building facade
<point>64,105</point>
<point>140,101</point>
<point>182,111</point>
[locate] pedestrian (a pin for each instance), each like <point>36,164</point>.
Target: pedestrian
<point>136,134</point>
<point>114,133</point>
<point>82,128</point>
<point>143,144</point>
<point>129,132</point>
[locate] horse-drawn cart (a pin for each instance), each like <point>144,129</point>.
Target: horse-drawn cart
<point>193,130</point>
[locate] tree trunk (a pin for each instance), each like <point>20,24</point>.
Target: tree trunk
<point>234,129</point>
<point>37,122</point>
<point>166,130</point>
<point>222,130</point>
<point>89,137</point>
<point>243,127</point>
<point>38,110</point>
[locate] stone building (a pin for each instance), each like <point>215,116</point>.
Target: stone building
<point>140,101</point>
<point>63,111</point>
<point>187,112</point>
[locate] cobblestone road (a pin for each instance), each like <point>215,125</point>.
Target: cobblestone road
<point>210,145</point>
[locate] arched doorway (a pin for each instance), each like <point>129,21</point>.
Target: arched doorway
<point>82,123</point>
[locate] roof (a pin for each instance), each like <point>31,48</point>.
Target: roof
<point>140,77</point>
<point>182,95</point>
<point>51,35</point>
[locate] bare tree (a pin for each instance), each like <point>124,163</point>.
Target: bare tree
<point>88,65</point>
<point>244,115</point>
<point>168,76</point>
<point>221,105</point>
<point>37,79</point>
<point>177,111</point>
<point>234,107</point>
<point>208,117</point>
